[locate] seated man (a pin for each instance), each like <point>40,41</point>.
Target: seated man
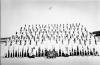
<point>51,54</point>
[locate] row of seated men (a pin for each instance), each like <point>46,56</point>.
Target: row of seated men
<point>57,35</point>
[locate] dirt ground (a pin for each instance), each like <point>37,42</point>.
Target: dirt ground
<point>87,60</point>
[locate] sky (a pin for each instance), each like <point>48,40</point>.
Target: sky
<point>17,13</point>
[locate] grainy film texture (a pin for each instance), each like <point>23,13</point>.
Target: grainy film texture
<point>62,32</point>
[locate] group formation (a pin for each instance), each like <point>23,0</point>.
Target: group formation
<point>52,40</point>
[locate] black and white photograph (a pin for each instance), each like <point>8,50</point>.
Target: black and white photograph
<point>50,32</point>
